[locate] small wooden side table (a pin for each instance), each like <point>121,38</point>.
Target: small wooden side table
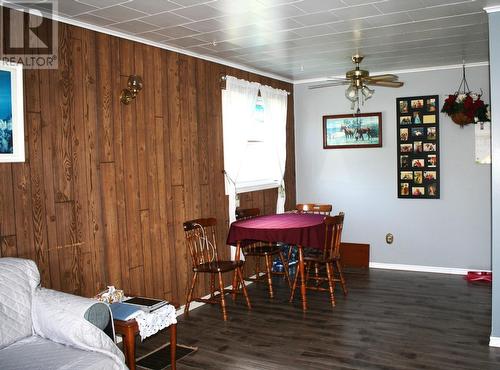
<point>129,329</point>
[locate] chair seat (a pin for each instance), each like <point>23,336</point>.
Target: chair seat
<point>218,266</point>
<point>317,255</point>
<point>259,250</point>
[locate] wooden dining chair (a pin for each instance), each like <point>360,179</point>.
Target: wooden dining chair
<point>323,209</point>
<point>263,250</point>
<point>201,242</point>
<point>329,257</point>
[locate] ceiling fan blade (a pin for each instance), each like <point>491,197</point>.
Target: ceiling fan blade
<point>385,77</point>
<point>385,83</point>
<point>337,79</point>
<point>330,84</point>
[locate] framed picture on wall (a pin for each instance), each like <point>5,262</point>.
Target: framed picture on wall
<point>11,113</point>
<point>418,147</point>
<point>343,131</point>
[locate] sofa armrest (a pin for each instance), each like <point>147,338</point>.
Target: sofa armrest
<point>60,317</point>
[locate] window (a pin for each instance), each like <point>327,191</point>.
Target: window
<point>259,166</point>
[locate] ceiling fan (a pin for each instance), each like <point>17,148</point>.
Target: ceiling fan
<point>358,79</point>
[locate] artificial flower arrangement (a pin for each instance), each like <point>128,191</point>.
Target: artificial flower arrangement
<point>465,108</point>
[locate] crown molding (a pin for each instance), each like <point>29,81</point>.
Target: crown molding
<point>126,36</point>
<point>400,71</point>
<point>492,9</point>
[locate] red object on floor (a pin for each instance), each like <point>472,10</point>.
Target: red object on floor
<point>479,276</point>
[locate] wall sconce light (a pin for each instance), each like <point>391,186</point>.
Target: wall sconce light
<point>134,85</point>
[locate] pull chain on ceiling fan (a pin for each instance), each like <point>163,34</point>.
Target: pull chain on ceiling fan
<point>358,79</point>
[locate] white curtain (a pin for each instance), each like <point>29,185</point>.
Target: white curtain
<point>238,108</point>
<point>275,110</point>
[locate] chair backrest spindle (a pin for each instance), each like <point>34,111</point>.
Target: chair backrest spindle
<point>323,209</point>
<point>245,213</point>
<point>333,236</point>
<point>201,240</point>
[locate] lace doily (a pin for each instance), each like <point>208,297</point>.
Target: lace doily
<point>152,323</point>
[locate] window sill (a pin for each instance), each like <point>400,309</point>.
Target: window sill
<point>256,186</point>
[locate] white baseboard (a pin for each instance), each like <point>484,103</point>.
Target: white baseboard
<point>419,268</point>
<point>494,341</point>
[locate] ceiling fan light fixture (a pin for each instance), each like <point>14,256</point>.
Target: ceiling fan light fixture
<point>351,93</point>
<point>367,92</point>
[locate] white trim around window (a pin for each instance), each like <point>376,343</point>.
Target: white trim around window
<point>246,187</point>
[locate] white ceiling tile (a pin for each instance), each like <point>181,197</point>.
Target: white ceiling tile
<point>251,29</point>
<point>281,24</point>
<point>279,12</point>
<point>216,36</point>
<point>443,2</point>
<point>101,3</point>
<point>177,32</point>
<point>361,2</point>
<point>356,12</point>
<point>393,6</point>
<point>153,36</point>
<point>93,19</point>
<point>134,27</point>
<point>281,36</point>
<point>191,2</point>
<point>317,18</point>
<point>443,11</point>
<point>312,6</point>
<point>237,6</point>
<point>207,25</point>
<point>118,13</point>
<point>388,19</point>
<point>199,12</point>
<point>352,24</point>
<point>240,19</point>
<point>166,19</point>
<point>278,2</point>
<point>221,46</point>
<point>151,6</point>
<point>314,31</point>
<point>186,42</point>
<point>251,41</point>
<point>72,8</point>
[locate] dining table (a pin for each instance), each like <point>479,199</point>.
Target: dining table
<point>300,229</point>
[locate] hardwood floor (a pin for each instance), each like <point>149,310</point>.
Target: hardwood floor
<point>390,320</point>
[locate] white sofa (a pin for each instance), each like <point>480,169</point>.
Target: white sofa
<point>45,329</point>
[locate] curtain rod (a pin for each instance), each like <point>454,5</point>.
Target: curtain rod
<point>224,78</point>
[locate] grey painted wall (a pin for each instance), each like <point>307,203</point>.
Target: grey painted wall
<point>494,24</point>
<point>454,231</point>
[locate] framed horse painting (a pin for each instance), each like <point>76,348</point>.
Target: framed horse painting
<point>362,130</point>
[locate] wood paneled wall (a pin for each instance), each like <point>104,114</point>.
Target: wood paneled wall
<point>105,187</point>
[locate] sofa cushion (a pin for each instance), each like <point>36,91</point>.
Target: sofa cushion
<point>38,353</point>
<point>18,280</point>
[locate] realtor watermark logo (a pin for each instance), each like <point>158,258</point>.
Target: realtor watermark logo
<point>26,37</point>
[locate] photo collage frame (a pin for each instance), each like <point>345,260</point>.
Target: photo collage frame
<point>418,147</point>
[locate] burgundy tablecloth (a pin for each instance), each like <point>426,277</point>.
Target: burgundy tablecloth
<point>302,229</point>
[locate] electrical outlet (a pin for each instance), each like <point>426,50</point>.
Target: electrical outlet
<point>389,238</point>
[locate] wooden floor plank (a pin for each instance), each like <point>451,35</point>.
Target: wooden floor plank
<point>389,320</point>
